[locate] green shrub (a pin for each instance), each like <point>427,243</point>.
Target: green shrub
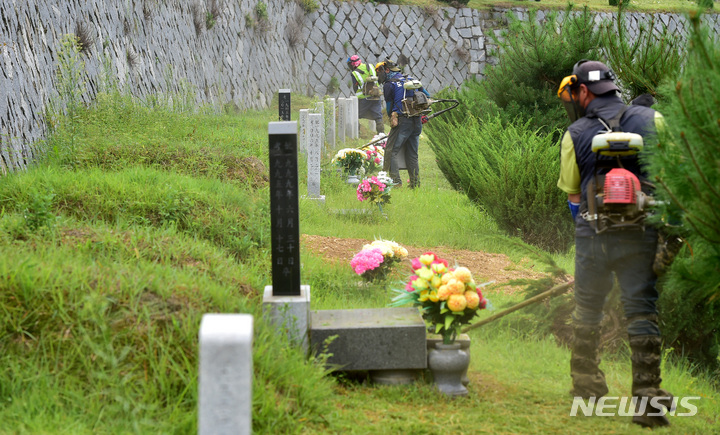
<point>533,58</point>
<point>643,63</point>
<point>708,4</point>
<point>309,6</point>
<point>511,172</point>
<point>685,166</point>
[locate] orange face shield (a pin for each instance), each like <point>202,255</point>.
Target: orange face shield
<point>572,106</point>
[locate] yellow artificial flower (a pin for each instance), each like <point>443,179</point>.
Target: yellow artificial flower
<point>420,284</point>
<point>456,287</point>
<point>447,277</point>
<point>424,273</point>
<point>443,292</point>
<point>439,268</point>
<point>436,281</point>
<point>463,274</point>
<point>426,259</point>
<point>473,300</point>
<point>457,303</point>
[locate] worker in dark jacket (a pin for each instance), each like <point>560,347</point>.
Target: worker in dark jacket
<point>408,125</point>
<point>626,254</point>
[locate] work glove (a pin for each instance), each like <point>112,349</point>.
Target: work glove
<point>574,207</point>
<point>424,119</point>
<point>394,119</point>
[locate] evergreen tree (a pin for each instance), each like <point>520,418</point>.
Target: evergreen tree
<point>533,58</point>
<point>642,64</point>
<point>686,166</point>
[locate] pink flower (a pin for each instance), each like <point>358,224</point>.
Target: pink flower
<point>416,264</point>
<point>367,259</point>
<point>409,287</point>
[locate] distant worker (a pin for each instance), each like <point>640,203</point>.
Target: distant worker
<point>611,238</point>
<point>388,71</point>
<point>403,96</point>
<point>367,91</point>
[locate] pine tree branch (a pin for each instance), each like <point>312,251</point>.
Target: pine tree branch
<point>688,215</point>
<point>690,118</point>
<point>710,187</point>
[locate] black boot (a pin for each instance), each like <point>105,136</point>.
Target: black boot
<point>588,379</point>
<point>646,381</point>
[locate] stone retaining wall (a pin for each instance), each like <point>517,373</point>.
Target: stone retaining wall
<point>224,52</point>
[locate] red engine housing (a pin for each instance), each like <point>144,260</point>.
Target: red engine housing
<point>620,187</point>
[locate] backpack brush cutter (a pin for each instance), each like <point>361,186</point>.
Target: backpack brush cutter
<point>426,113</point>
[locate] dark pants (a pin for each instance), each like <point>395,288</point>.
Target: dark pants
<point>630,255</point>
<point>408,142</point>
<point>371,109</point>
<point>389,144</point>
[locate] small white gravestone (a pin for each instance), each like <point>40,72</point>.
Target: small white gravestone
<point>351,119</point>
<point>355,118</point>
<point>314,153</point>
<point>302,126</point>
<point>330,122</point>
<point>226,371</point>
<point>342,114</point>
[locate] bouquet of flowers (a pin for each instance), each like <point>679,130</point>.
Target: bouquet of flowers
<point>349,159</point>
<point>374,157</point>
<point>376,259</point>
<point>446,297</point>
<point>375,189</point>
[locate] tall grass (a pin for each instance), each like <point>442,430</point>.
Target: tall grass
<point>111,262</point>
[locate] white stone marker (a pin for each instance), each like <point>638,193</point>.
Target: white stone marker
<point>314,153</point>
<point>226,372</point>
<point>355,118</point>
<point>351,118</point>
<point>342,114</point>
<point>330,122</point>
<point>302,127</point>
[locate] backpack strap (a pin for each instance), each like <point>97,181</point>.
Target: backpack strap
<point>614,122</point>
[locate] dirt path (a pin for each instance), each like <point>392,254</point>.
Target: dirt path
<point>484,266</point>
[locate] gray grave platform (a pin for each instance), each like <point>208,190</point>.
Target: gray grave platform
<point>371,339</point>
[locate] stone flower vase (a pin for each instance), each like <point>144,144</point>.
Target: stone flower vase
<point>353,178</point>
<point>448,362</point>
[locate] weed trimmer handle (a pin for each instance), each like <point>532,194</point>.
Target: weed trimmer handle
<point>456,103</point>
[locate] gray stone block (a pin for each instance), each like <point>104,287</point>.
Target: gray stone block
<point>371,339</point>
<point>289,314</point>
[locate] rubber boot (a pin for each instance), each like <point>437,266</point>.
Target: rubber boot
<point>588,379</point>
<point>646,381</point>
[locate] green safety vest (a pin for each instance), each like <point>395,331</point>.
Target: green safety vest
<point>360,73</point>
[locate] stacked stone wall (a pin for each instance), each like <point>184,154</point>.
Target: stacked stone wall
<point>222,52</point>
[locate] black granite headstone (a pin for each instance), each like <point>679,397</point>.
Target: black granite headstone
<point>284,104</point>
<point>285,231</point>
